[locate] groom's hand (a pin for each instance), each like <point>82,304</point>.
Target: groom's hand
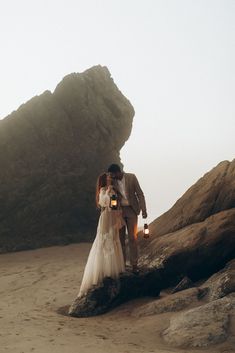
<point>144,214</point>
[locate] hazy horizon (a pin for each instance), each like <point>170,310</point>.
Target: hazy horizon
<point>173,60</point>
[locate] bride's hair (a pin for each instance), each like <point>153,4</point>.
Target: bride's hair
<point>101,182</point>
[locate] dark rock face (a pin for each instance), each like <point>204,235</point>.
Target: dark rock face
<point>196,237</point>
<point>51,151</point>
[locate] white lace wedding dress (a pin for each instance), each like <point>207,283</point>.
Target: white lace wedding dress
<point>105,258</point>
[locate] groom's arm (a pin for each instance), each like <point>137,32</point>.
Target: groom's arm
<point>141,198</point>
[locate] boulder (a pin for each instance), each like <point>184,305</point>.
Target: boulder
<point>51,151</point>
<point>170,303</point>
<point>221,283</point>
<point>196,251</point>
<point>202,326</point>
<point>196,237</point>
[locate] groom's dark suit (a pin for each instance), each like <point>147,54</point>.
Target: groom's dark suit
<point>131,207</point>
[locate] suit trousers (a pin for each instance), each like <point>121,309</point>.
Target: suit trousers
<point>131,219</point>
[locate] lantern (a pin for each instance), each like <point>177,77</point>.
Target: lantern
<point>113,202</point>
<point>146,231</point>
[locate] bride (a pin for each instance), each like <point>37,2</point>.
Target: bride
<point>105,258</point>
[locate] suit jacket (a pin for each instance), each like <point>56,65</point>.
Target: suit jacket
<point>134,193</point>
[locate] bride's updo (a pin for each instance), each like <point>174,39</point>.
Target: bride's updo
<point>101,182</point>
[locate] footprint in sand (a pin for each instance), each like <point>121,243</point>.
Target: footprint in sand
<point>101,336</point>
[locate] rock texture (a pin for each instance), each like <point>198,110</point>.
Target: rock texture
<point>202,326</point>
<point>196,237</point>
<point>196,251</point>
<point>170,303</point>
<point>111,293</point>
<point>185,283</point>
<point>213,193</point>
<point>51,151</point>
<point>221,283</point>
<point>207,312</point>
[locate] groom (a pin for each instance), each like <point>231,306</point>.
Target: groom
<point>132,201</point>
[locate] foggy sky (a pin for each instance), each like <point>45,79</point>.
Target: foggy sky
<point>173,59</point>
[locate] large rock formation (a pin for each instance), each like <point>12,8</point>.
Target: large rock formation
<point>51,151</point>
<point>196,251</point>
<point>213,193</point>
<point>196,237</point>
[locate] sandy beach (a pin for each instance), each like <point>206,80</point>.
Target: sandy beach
<point>36,284</point>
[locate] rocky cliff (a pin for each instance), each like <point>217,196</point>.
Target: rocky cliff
<point>51,151</point>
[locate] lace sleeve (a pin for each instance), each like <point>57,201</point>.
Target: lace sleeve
<point>104,198</point>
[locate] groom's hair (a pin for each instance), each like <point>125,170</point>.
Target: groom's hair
<point>114,168</point>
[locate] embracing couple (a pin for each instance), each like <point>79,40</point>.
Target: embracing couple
<point>107,257</point>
